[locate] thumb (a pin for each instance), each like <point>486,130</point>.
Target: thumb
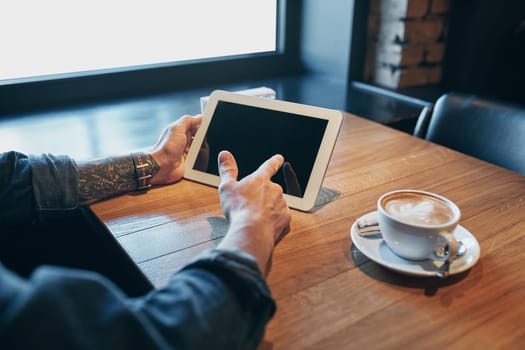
<point>228,170</point>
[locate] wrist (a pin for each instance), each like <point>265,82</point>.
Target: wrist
<point>255,240</point>
<point>167,167</point>
<point>158,161</point>
<point>143,171</point>
<point>145,167</point>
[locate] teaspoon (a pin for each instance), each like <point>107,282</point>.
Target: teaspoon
<point>445,268</point>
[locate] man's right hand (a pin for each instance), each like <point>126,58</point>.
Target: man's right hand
<point>255,208</point>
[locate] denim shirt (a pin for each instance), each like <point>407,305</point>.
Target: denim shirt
<point>218,301</point>
<point>32,187</point>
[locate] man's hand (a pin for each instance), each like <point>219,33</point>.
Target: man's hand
<point>171,150</point>
<point>255,208</point>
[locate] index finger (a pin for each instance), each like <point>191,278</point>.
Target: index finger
<point>270,167</point>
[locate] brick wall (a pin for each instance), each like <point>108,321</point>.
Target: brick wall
<point>405,42</point>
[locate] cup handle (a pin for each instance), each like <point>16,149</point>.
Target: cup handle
<point>446,247</point>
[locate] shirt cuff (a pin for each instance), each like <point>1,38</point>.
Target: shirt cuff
<point>55,184</point>
<point>241,272</point>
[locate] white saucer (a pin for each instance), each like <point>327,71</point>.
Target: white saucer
<point>376,249</point>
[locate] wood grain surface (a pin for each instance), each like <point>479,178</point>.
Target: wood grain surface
<point>328,294</point>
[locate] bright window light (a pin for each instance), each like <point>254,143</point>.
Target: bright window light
<point>39,38</point>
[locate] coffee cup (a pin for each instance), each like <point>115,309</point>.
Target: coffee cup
<point>419,225</point>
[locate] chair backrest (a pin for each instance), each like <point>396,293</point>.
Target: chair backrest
<point>489,130</point>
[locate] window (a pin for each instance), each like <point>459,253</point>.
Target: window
<point>63,36</point>
<point>59,50</point>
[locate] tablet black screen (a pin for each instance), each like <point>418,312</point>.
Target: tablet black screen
<point>254,134</point>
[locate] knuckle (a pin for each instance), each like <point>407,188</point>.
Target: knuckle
<point>276,188</point>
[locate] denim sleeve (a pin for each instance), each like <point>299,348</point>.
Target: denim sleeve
<point>55,184</point>
<point>219,301</point>
<point>16,192</point>
<point>36,187</point>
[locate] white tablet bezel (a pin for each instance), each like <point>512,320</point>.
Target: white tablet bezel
<point>333,117</point>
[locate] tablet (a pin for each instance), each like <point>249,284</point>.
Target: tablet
<point>253,129</point>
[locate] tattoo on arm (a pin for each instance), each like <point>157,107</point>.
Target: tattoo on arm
<point>104,178</point>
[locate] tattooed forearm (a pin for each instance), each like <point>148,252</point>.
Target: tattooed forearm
<point>108,177</point>
<point>104,178</point>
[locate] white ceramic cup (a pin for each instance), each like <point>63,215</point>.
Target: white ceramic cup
<point>419,225</point>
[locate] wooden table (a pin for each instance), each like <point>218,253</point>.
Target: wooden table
<point>329,296</point>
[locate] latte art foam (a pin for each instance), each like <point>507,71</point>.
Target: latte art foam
<point>418,209</point>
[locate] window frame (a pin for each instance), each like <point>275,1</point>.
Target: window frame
<point>38,92</point>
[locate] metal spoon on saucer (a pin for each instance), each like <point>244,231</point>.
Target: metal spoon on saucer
<point>445,268</point>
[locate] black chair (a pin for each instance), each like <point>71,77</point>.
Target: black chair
<point>486,129</point>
